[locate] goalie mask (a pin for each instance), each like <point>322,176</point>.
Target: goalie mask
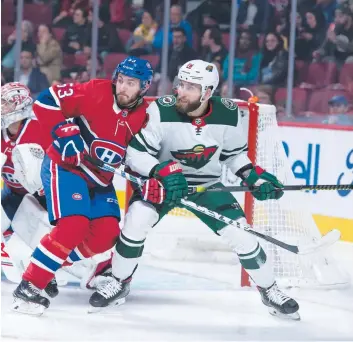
<point>16,103</point>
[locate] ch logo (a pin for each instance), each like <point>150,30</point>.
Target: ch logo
<point>107,151</point>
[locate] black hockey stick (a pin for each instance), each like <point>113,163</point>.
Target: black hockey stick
<point>195,189</point>
<point>325,241</point>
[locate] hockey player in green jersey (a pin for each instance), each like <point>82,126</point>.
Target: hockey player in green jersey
<point>186,141</point>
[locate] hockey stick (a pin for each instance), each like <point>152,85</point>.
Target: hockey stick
<point>325,241</point>
<point>195,189</point>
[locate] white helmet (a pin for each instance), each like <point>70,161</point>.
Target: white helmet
<point>16,103</point>
<point>200,72</point>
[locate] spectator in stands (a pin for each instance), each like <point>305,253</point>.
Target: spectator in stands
<point>49,54</point>
<point>274,63</point>
<point>246,62</point>
<point>75,34</point>
<point>30,76</point>
<point>338,46</point>
<point>67,10</point>
<point>8,51</point>
<point>213,48</point>
<point>85,74</point>
<point>265,94</point>
<point>179,53</point>
<point>120,12</point>
<point>141,41</point>
<point>176,21</point>
<point>311,35</point>
<point>108,39</point>
<point>327,7</point>
<point>338,109</point>
<point>252,14</point>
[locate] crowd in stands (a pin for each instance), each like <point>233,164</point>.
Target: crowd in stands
<point>57,41</point>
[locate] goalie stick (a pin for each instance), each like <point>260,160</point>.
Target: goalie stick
<point>317,244</point>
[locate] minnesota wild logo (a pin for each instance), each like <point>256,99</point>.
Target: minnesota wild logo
<point>196,157</point>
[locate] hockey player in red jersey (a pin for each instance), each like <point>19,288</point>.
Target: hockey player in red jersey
<point>97,118</point>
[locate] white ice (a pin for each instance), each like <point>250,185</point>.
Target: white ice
<point>182,301</point>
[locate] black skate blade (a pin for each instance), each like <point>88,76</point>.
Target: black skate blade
<point>111,306</point>
<point>27,308</point>
<point>293,316</point>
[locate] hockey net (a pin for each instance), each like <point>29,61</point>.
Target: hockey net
<point>181,237</point>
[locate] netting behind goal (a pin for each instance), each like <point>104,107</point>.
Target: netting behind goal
<point>182,237</point>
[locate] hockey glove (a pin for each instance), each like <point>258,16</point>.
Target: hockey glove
<point>173,180</point>
<point>269,187</point>
<point>68,143</point>
<point>153,191</point>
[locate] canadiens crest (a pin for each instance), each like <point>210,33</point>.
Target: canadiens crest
<point>196,157</point>
<point>230,104</point>
<point>167,101</point>
<point>107,151</point>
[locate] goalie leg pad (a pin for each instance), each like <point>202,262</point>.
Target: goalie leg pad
<point>251,255</point>
<point>139,220</point>
<point>10,201</point>
<point>31,221</point>
<point>54,248</point>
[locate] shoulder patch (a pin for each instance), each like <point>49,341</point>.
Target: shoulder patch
<point>167,101</point>
<point>231,105</point>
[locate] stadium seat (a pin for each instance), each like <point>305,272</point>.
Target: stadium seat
<point>300,98</point>
<point>225,40</point>
<point>346,75</point>
<point>7,13</point>
<point>58,33</point>
<point>153,59</point>
<point>322,74</point>
<point>81,59</point>
<point>301,68</point>
<point>318,101</point>
<point>38,14</point>
<point>124,35</point>
<point>112,60</point>
<point>68,60</point>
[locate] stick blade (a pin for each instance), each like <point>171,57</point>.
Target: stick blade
<point>327,240</point>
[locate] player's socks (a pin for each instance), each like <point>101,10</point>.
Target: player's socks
<point>54,249</point>
<point>258,266</point>
<point>28,299</point>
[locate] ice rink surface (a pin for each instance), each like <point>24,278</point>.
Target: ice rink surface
<point>198,302</point>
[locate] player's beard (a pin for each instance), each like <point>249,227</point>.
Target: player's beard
<point>185,107</point>
<point>124,101</point>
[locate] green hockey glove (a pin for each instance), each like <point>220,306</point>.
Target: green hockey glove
<point>270,189</point>
<point>173,180</point>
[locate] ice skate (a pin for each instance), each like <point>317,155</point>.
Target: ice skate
<point>111,292</point>
<point>279,304</point>
<point>28,299</point>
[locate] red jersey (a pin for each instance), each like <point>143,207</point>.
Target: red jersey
<point>105,128</point>
<point>29,132</point>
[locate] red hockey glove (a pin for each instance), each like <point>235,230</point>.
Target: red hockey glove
<point>153,191</point>
<point>68,143</point>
